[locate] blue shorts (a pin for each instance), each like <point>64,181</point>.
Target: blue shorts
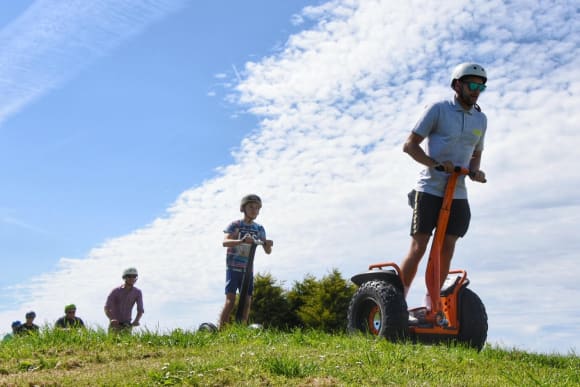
<point>234,280</point>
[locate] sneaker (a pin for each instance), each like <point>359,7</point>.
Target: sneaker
<point>417,316</point>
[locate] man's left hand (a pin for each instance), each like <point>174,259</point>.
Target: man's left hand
<point>478,176</point>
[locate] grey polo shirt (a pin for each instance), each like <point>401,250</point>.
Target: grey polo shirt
<point>453,134</point>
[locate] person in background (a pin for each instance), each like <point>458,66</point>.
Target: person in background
<point>239,236</point>
<point>120,303</point>
<point>29,326</point>
<point>70,320</point>
<point>15,327</point>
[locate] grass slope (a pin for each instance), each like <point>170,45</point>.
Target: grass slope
<point>241,356</point>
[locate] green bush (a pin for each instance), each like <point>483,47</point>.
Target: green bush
<point>270,305</point>
<point>317,304</point>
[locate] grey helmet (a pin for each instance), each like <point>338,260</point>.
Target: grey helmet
<point>252,198</point>
<point>466,69</point>
<point>130,271</point>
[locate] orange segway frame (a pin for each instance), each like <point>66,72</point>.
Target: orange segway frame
<point>443,313</point>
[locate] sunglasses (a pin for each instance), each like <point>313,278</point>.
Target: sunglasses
<point>131,276</point>
<point>474,86</point>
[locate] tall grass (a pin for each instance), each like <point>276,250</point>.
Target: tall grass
<point>241,356</point>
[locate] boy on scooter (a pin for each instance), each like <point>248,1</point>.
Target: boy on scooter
<point>240,235</point>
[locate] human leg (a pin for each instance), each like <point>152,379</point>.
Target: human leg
<point>446,256</point>
<point>410,263</point>
<point>425,213</point>
<point>227,310</point>
<point>233,283</point>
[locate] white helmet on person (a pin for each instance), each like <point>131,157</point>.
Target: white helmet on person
<point>251,198</point>
<point>130,271</point>
<point>468,69</point>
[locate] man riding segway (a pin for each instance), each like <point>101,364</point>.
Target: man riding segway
<point>455,131</point>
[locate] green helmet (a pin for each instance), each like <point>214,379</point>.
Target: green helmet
<point>70,307</point>
<point>252,198</point>
<point>466,69</point>
<point>129,271</point>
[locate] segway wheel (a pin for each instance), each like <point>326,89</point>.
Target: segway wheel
<point>379,308</point>
<point>472,320</point>
<point>207,327</point>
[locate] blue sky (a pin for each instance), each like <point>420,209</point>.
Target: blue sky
<point>129,130</point>
<point>150,111</point>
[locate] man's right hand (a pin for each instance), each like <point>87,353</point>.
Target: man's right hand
<point>445,166</point>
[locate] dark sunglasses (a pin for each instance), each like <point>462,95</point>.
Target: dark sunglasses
<point>474,86</point>
<point>131,276</point>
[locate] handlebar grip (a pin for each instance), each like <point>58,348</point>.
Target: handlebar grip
<point>441,168</point>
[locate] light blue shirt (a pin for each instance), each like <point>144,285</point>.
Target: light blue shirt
<point>452,133</point>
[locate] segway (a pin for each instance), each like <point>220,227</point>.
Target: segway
<point>453,312</point>
<point>248,274</point>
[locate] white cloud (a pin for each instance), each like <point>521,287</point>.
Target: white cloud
<point>336,104</point>
<point>51,41</point>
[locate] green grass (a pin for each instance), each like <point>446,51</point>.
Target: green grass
<point>240,356</point>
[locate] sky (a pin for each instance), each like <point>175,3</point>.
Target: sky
<point>130,130</point>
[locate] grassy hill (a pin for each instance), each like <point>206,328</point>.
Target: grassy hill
<point>241,356</point>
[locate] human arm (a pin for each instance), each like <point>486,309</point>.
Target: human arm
<point>414,149</point>
<point>140,310</point>
<point>268,243</point>
<point>476,174</point>
<point>110,316</point>
<point>109,309</point>
<point>230,240</point>
<point>60,323</point>
<point>135,322</point>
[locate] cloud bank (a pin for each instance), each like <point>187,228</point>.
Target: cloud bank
<point>335,105</point>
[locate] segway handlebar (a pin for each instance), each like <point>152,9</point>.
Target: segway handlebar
<point>459,170</point>
<point>255,241</point>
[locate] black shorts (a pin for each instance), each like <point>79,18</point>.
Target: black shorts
<point>426,213</point>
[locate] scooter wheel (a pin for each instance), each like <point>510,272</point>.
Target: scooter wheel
<point>379,308</point>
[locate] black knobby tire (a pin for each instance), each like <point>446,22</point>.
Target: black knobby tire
<point>472,320</point>
<point>379,308</point>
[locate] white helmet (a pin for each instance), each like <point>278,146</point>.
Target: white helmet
<point>465,69</point>
<point>130,271</point>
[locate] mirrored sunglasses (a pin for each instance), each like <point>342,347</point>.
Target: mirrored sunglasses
<point>474,86</point>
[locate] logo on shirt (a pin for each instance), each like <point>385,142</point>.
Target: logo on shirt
<point>477,132</point>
